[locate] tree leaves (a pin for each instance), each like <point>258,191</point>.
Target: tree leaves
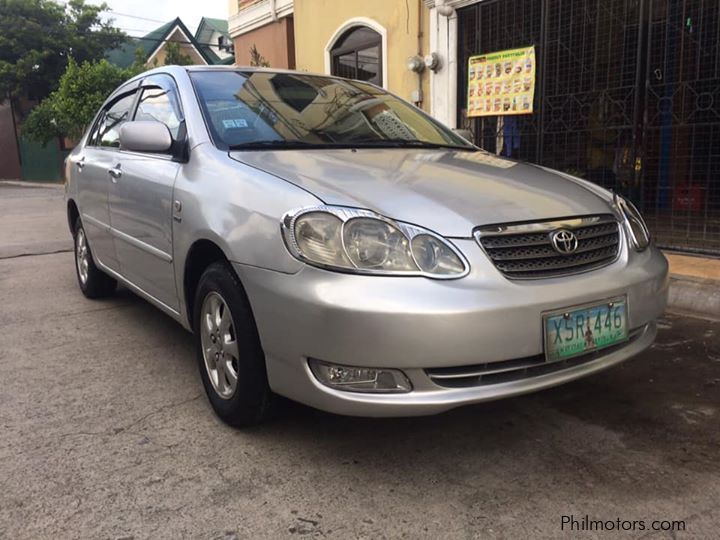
<point>83,88</point>
<point>37,37</point>
<point>174,55</point>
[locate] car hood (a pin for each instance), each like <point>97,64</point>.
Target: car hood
<point>450,192</point>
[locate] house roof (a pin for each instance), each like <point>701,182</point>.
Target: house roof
<point>219,25</point>
<point>204,33</point>
<point>124,55</point>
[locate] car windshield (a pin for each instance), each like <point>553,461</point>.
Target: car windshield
<point>263,110</point>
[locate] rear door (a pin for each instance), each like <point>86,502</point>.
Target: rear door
<point>141,198</point>
<point>91,168</point>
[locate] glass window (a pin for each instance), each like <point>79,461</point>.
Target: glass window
<point>160,105</point>
<point>357,55</point>
<point>107,130</point>
<point>294,91</point>
<point>282,110</point>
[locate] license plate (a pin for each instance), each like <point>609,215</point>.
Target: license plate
<point>583,329</point>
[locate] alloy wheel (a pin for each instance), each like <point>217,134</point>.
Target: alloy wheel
<point>82,256</point>
<point>219,345</point>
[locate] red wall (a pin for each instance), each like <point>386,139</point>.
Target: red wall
<point>9,157</point>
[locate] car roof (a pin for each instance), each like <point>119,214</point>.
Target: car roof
<point>181,70</point>
<point>199,68</point>
<point>250,68</point>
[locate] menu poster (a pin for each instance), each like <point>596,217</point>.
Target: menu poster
<point>501,83</point>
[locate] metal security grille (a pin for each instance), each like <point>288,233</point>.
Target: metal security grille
<point>627,96</point>
<point>493,26</point>
<point>680,151</point>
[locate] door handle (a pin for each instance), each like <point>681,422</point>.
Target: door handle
<point>115,173</point>
<point>80,163</point>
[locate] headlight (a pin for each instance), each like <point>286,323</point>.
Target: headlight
<point>634,223</point>
<point>360,241</point>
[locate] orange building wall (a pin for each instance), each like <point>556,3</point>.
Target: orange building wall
<point>274,41</point>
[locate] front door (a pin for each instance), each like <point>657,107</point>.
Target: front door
<point>141,199</point>
<point>141,216</point>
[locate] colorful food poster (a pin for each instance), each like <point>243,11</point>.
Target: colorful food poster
<point>501,83</point>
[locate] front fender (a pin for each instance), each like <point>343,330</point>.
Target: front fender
<point>235,206</point>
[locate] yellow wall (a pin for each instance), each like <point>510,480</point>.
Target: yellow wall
<point>316,21</point>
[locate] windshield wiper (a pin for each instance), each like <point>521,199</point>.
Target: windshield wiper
<point>406,143</point>
<point>277,144</point>
<point>360,143</point>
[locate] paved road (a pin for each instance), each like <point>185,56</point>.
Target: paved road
<point>105,433</point>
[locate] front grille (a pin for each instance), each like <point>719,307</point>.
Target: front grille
<point>517,369</point>
<point>525,250</point>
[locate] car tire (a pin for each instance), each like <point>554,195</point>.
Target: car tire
<point>93,282</point>
<point>228,349</point>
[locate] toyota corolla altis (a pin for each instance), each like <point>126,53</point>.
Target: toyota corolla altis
<point>326,241</point>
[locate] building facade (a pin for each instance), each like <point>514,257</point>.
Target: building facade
<point>262,32</point>
<point>370,40</point>
<point>626,93</point>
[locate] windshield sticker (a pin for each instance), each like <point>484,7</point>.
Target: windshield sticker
<point>235,123</point>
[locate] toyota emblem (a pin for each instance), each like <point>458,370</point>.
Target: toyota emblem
<point>564,241</point>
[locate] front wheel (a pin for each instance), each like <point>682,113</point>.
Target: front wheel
<point>229,354</point>
<point>92,281</point>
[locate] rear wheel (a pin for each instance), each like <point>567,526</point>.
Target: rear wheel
<point>92,281</point>
<point>229,354</point>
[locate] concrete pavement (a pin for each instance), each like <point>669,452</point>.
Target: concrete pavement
<point>105,432</point>
<point>695,285</point>
<point>32,219</point>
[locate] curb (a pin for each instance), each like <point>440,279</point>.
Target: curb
<point>696,296</point>
<point>22,183</point>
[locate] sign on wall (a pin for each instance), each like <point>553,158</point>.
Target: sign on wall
<point>501,83</point>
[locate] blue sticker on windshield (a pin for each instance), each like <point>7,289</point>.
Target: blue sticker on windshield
<point>235,123</point>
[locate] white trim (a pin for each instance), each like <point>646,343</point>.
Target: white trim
<point>444,41</point>
<point>354,22</point>
<point>443,82</point>
<point>457,4</point>
<point>258,15</point>
<point>167,39</point>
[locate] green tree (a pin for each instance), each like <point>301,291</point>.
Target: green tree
<point>175,57</point>
<point>83,88</point>
<point>37,38</point>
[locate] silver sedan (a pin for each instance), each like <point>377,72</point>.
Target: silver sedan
<point>328,242</point>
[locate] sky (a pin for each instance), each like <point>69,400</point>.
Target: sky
<point>138,17</point>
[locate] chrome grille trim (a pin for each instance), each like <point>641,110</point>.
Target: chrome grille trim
<point>524,250</point>
<point>517,369</point>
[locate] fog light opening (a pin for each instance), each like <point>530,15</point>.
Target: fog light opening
<point>360,379</point>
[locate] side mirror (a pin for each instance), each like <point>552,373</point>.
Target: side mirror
<point>145,136</point>
<point>464,133</point>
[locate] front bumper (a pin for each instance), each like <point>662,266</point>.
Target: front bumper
<point>415,324</point>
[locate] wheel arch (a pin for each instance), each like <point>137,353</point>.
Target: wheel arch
<point>72,215</point>
<point>202,253</point>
